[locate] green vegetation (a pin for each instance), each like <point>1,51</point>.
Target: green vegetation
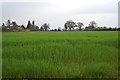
<point>84,54</point>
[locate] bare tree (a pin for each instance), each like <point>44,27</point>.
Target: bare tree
<point>79,24</point>
<point>8,23</point>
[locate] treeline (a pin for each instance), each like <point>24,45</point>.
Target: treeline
<point>70,25</point>
<point>12,26</point>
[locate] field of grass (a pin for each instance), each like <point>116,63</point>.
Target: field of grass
<point>80,54</point>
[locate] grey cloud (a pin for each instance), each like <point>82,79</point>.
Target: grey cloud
<point>22,8</point>
<point>98,8</point>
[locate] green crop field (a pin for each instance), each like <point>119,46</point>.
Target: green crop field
<point>44,54</point>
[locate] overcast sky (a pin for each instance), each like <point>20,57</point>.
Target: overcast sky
<point>57,12</point>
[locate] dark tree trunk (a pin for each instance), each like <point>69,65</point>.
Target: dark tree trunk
<point>73,29</point>
<point>79,28</point>
<point>70,29</point>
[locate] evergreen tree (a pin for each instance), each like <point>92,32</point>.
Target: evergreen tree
<point>29,25</point>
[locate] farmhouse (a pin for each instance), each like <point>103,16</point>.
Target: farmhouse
<point>14,27</point>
